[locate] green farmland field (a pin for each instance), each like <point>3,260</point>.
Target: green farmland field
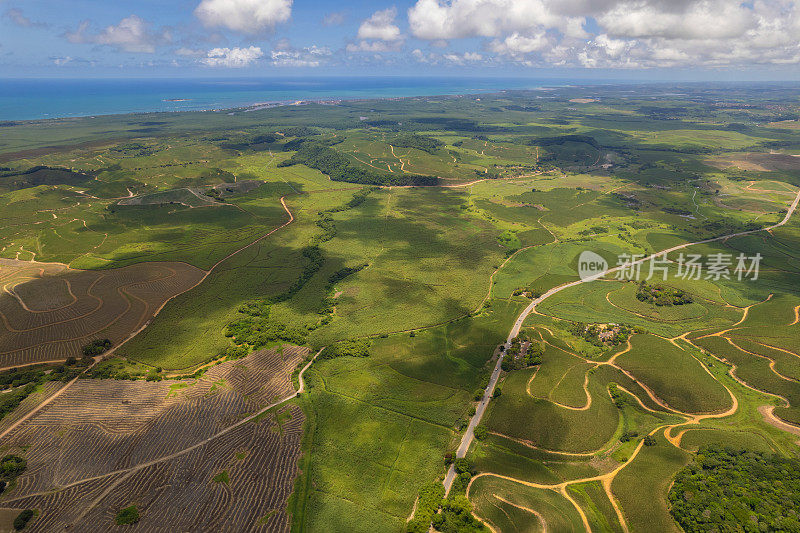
<point>398,242</point>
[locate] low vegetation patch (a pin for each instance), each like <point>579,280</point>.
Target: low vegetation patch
<point>222,477</point>
<point>127,516</point>
<point>97,347</point>
<point>661,295</point>
<point>23,518</point>
<point>348,348</point>
<point>11,466</point>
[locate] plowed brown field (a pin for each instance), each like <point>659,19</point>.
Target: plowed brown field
<point>104,445</point>
<point>49,311</point>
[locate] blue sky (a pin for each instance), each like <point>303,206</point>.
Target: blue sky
<point>642,39</point>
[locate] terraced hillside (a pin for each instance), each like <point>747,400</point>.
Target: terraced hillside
<point>50,312</point>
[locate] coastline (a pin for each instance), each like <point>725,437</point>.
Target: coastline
<point>33,100</point>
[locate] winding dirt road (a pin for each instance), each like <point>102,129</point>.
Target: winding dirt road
<point>469,434</point>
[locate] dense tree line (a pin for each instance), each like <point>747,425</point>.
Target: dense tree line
<point>419,142</point>
<point>325,220</point>
<point>428,503</point>
<point>561,139</point>
<point>336,165</point>
<point>452,514</point>
<point>23,382</point>
<point>728,490</point>
<point>348,348</point>
<point>256,329</point>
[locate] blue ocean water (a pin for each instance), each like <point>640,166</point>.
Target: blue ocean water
<point>31,99</point>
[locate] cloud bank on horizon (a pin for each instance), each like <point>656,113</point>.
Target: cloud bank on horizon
<point>515,34</point>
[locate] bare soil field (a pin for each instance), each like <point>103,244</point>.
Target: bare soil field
<point>105,445</point>
<point>50,312</point>
<point>757,161</point>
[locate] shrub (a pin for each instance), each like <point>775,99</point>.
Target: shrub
<point>222,477</point>
<point>481,432</point>
<point>127,516</point>
<point>464,466</point>
<point>22,519</point>
<point>11,466</point>
<point>96,347</point>
<point>616,395</point>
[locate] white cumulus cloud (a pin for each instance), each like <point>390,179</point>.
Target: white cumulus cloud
<point>624,33</point>
<point>380,26</point>
<point>232,57</point>
<point>132,34</point>
<point>285,55</point>
<point>435,19</point>
<point>245,16</point>
<point>461,59</point>
<point>334,19</point>
<point>520,44</point>
<point>374,46</point>
<point>18,17</point>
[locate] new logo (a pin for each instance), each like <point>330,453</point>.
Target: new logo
<point>591,265</point>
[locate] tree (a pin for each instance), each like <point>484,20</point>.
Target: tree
<point>464,465</point>
<point>127,516</point>
<point>481,432</point>
<point>11,466</point>
<point>456,517</point>
<point>22,519</point>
